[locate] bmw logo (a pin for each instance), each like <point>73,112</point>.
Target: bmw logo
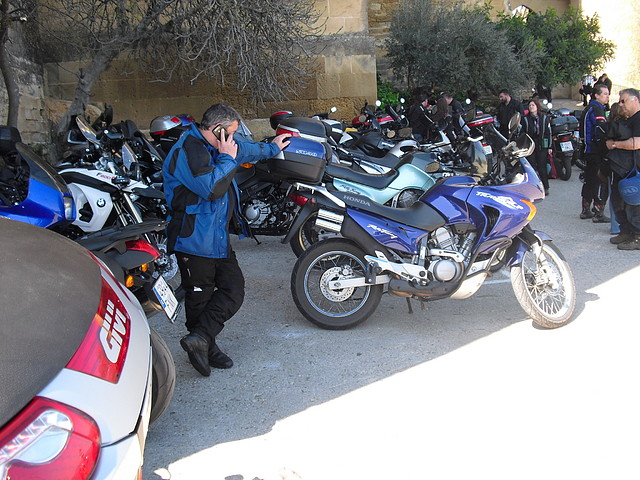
<point>101,202</point>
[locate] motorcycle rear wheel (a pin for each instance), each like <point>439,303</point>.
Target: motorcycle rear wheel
<point>163,379</point>
<point>308,235</point>
<point>333,309</point>
<point>544,287</point>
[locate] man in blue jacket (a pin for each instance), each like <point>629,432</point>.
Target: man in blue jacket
<point>204,206</point>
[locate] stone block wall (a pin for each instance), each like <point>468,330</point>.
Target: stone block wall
<point>345,76</point>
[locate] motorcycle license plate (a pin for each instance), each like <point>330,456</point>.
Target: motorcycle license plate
<point>566,146</point>
<point>166,297</point>
<point>487,149</point>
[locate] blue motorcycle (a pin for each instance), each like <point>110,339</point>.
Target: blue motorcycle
<point>443,246</point>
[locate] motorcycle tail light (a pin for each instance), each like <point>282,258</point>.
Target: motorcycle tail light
<point>298,199</point>
<point>281,130</point>
<point>49,440</point>
<point>141,245</point>
<point>103,351</point>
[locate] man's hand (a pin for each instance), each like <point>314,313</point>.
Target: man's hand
<point>281,140</point>
<point>610,144</point>
<point>227,144</point>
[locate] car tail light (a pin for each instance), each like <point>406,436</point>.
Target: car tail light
<point>103,351</point>
<point>49,440</point>
<point>141,245</point>
<point>281,130</point>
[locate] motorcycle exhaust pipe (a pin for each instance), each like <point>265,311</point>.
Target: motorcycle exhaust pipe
<point>329,221</point>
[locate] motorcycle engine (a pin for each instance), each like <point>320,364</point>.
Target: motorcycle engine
<point>268,210</point>
<point>445,268</point>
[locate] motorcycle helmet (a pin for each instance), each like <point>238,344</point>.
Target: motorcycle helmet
<point>161,124</point>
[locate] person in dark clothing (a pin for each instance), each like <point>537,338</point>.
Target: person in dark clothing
<point>419,119</point>
<point>203,205</point>
<point>593,128</point>
<point>586,89</point>
<point>604,78</point>
<point>623,157</point>
<point>538,126</point>
<point>507,108</point>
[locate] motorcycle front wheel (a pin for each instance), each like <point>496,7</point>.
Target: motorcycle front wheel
<point>326,307</point>
<point>544,286</point>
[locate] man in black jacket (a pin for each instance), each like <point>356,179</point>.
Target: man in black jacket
<point>507,108</point>
<point>624,156</point>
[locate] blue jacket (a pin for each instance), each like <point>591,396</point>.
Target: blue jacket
<point>202,195</point>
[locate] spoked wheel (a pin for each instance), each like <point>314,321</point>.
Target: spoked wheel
<point>327,307</point>
<point>544,286</point>
<point>308,234</point>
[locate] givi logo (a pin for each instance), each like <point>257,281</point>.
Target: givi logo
<point>114,330</point>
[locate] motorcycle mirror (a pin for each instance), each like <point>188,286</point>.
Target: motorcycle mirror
<point>88,132</point>
<point>128,157</point>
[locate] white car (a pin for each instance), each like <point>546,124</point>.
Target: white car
<point>75,363</point>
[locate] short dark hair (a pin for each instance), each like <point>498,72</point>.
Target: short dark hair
<point>505,91</point>
<point>598,87</point>
<point>219,113</point>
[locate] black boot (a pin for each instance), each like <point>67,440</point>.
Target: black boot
<point>598,214</point>
<point>586,209</point>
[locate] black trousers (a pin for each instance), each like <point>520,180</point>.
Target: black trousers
<point>628,216</point>
<point>594,189</point>
<point>214,292</point>
<point>538,160</point>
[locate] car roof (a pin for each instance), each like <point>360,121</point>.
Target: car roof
<point>49,293</point>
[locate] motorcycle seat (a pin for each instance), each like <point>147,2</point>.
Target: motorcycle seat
<point>378,182</point>
<point>419,215</point>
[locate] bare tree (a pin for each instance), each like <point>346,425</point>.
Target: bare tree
<point>262,46</point>
<point>10,14</point>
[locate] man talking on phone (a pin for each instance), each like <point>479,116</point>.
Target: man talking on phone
<point>204,209</point>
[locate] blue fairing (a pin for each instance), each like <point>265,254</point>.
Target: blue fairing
<point>387,232</point>
<point>44,206</point>
<point>498,213</point>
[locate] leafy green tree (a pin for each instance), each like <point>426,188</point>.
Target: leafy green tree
<point>437,45</point>
<point>571,44</point>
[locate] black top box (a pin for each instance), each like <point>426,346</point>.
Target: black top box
<point>303,160</point>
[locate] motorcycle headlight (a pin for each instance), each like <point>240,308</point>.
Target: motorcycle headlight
<point>69,210</point>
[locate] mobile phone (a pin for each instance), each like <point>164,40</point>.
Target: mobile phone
<point>217,129</point>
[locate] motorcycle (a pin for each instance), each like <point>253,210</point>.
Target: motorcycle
<point>441,247</point>
<point>109,189</point>
<point>566,137</point>
<point>39,195</point>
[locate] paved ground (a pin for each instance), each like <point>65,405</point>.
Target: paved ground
<point>464,389</point>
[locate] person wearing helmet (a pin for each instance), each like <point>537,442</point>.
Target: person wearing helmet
<point>204,208</point>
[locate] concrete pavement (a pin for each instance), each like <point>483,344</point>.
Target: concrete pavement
<point>463,389</point>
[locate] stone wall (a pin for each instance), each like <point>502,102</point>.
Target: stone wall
<point>345,76</point>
